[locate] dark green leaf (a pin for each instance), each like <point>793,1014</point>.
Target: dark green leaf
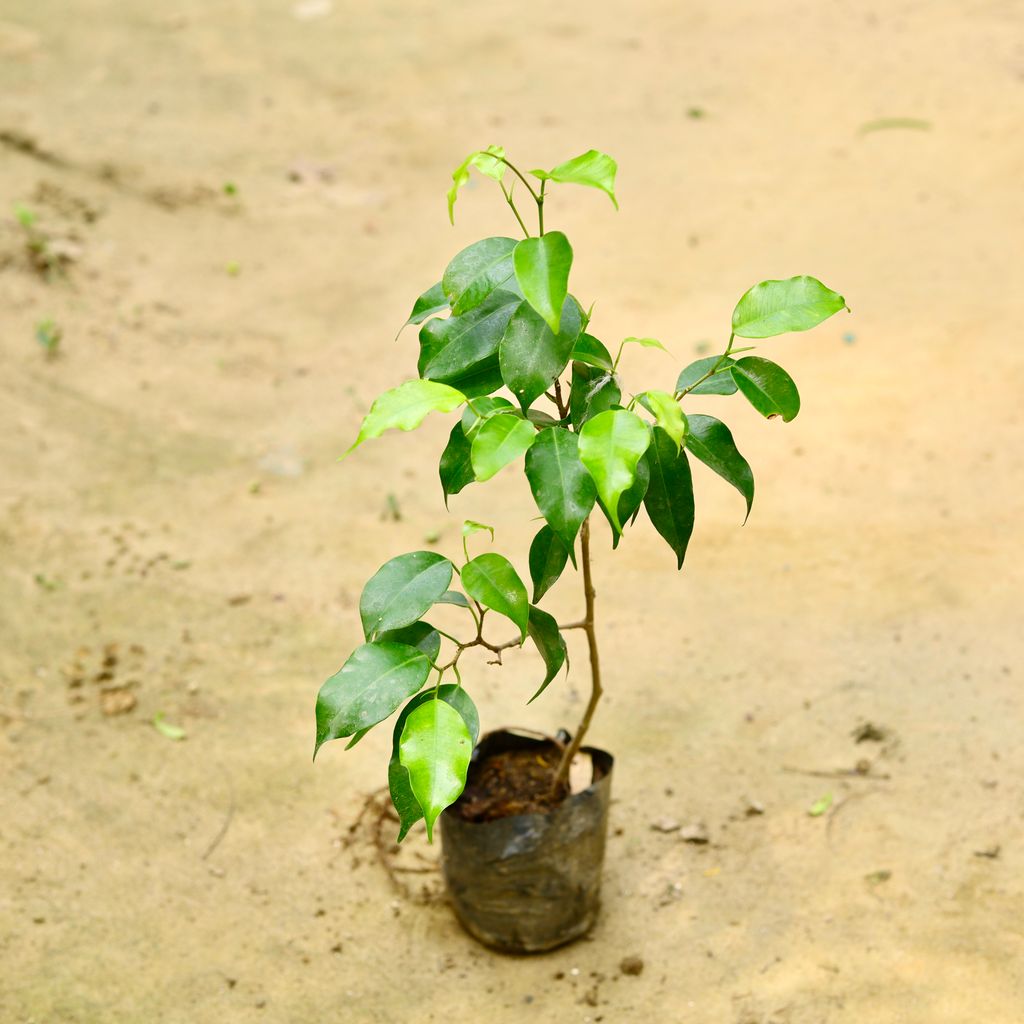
<point>531,357</point>
<point>563,489</point>
<point>767,386</point>
<point>487,161</point>
<point>611,445</point>
<point>539,418</point>
<point>776,307</point>
<point>711,441</point>
<point>491,580</point>
<point>593,391</point>
<point>435,749</point>
<point>720,384</point>
<point>499,441</point>
<point>544,632</point>
<point>542,270</point>
<point>402,589</point>
<point>477,271</point>
<point>430,302</point>
<point>406,407</point>
<point>456,466</point>
<point>669,498</point>
<point>591,168</point>
<point>420,635</point>
<point>453,597</point>
<point>370,686</point>
<point>591,351</point>
<point>548,556</point>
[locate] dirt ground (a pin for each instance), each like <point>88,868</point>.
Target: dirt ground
<point>177,538</point>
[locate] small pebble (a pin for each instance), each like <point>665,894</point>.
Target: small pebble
<point>631,965</point>
<point>697,833</point>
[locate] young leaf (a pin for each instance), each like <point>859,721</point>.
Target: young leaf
<point>563,489</point>
<point>611,445</point>
<point>711,441</point>
<point>435,749</point>
<point>630,502</point>
<point>591,168</point>
<point>548,556</point>
<point>719,384</point>
<point>165,728</point>
<point>544,632</point>
<point>420,635</point>
<point>530,356</point>
<point>542,270</point>
<point>369,687</point>
<point>592,391</point>
<point>430,302</point>
<point>643,343</point>
<point>491,580</point>
<point>776,307</point>
<point>669,498</point>
<point>462,351</point>
<point>767,386</point>
<point>471,526</point>
<point>406,407</point>
<point>478,270</point>
<point>488,161</point>
<point>500,440</point>
<point>402,589</point>
<point>456,466</point>
<point>592,352</point>
<point>667,412</point>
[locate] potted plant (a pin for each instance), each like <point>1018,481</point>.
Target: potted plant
<point>522,848</point>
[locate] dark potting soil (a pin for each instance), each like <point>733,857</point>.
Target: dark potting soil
<point>512,782</point>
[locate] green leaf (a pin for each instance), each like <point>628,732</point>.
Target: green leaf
<point>499,441</point>
<point>820,806</point>
<point>480,410</point>
<point>462,351</point>
<point>563,489</point>
<point>369,687</point>
<point>456,466</point>
<point>776,307</point>
<point>548,556</point>
<point>720,384</point>
<point>630,502</point>
<point>592,391</point>
<point>666,411</point>
<point>711,441</point>
<point>539,418</point>
<point>591,168</point>
<point>402,589</point>
<point>611,445</point>
<point>531,357</point>
<point>406,407</point>
<point>171,732</point>
<point>484,160</point>
<point>542,270</point>
<point>767,386</point>
<point>478,270</point>
<point>669,498</point>
<point>544,632</point>
<point>491,580</point>
<point>435,749</point>
<point>430,302</point>
<point>453,597</point>
<point>592,352</point>
<point>420,635</point>
<point>471,526</point>
<point>643,343</point>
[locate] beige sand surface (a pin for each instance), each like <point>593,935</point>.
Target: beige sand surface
<point>169,485</point>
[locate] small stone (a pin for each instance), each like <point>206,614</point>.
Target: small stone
<point>632,965</point>
<point>666,825</point>
<point>697,833</point>
<point>753,808</point>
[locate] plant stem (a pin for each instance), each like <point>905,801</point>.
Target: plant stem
<point>507,193</point>
<point>562,776</point>
<point>540,208</point>
<point>714,369</point>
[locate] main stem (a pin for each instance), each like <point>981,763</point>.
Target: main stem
<point>562,776</point>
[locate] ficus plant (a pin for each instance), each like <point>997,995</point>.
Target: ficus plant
<point>504,342</point>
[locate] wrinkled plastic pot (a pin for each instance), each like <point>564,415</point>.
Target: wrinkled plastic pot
<point>529,882</point>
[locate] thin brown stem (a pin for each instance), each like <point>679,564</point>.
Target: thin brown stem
<point>562,776</point>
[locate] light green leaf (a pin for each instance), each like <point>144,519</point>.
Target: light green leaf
<point>669,498</point>
<point>471,526</point>
<point>592,352</point>
<point>544,632</point>
<point>402,589</point>
<point>643,343</point>
<point>491,580</point>
<point>591,168</point>
<point>406,407</point>
<point>630,502</point>
<point>478,270</point>
<point>611,445</point>
<point>719,384</point>
<point>499,441</point>
<point>369,687</point>
<point>711,441</point>
<point>171,732</point>
<point>487,161</point>
<point>776,307</point>
<point>667,412</point>
<point>548,556</point>
<point>820,806</point>
<point>562,487</point>
<point>542,270</point>
<point>456,467</point>
<point>427,305</point>
<point>767,386</point>
<point>482,409</point>
<point>530,356</point>
<point>435,749</point>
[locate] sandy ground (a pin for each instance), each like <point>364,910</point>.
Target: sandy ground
<point>175,528</point>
